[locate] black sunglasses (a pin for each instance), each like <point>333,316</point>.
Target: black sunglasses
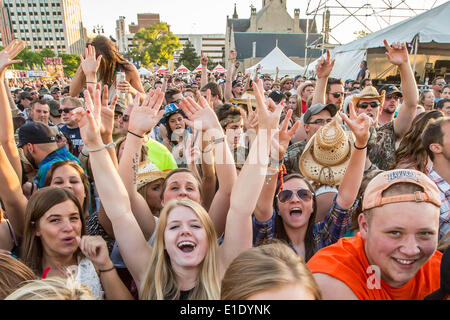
<point>337,94</point>
<point>321,121</point>
<point>125,118</point>
<point>373,105</point>
<point>67,110</point>
<point>302,194</point>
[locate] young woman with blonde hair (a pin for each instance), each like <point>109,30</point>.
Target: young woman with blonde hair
<point>269,272</point>
<point>196,262</point>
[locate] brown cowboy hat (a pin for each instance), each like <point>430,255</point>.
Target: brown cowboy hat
<point>369,92</point>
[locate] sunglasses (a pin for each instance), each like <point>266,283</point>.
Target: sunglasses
<point>394,96</point>
<point>67,110</point>
<point>176,101</point>
<point>373,105</point>
<point>337,94</point>
<point>302,194</point>
<point>441,83</point>
<point>125,118</point>
<point>321,121</point>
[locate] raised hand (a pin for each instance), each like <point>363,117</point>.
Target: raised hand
<point>9,53</point>
<point>233,54</point>
<point>397,54</point>
<point>88,124</point>
<point>90,64</point>
<point>201,111</point>
<point>146,116</point>
<point>107,114</point>
<point>325,66</point>
<point>284,136</point>
<point>96,250</point>
<point>359,125</point>
<point>124,86</point>
<point>204,60</point>
<point>250,119</point>
<point>267,119</point>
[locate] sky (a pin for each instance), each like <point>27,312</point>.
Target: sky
<point>209,16</point>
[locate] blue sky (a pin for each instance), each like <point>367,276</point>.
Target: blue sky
<point>209,16</point>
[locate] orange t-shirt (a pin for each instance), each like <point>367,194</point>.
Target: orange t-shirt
<point>346,261</point>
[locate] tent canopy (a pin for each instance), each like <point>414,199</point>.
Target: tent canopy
<point>276,58</point>
<point>144,72</point>
<point>430,28</point>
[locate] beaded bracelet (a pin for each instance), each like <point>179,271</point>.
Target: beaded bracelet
<point>109,145</point>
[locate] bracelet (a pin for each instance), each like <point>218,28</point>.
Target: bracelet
<point>91,82</point>
<point>110,269</point>
<point>109,145</point>
<point>358,148</point>
<point>215,141</point>
<point>136,135</point>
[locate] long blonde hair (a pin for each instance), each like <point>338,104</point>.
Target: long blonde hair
<point>264,268</point>
<point>160,280</point>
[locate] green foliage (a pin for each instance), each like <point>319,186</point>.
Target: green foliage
<point>49,53</point>
<point>361,33</point>
<point>189,57</point>
<point>155,44</point>
<point>70,63</point>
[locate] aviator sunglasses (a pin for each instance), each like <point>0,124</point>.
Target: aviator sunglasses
<point>302,194</point>
<point>373,105</point>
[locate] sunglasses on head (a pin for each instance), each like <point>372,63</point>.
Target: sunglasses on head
<point>302,194</point>
<point>372,104</point>
<point>67,110</point>
<point>337,94</point>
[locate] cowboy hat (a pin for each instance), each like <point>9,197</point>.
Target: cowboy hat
<point>369,92</point>
<point>327,154</point>
<point>148,172</point>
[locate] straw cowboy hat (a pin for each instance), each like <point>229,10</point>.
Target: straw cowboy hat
<point>369,92</point>
<point>327,154</point>
<point>243,99</point>
<point>148,172</point>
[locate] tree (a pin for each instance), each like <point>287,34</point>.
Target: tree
<point>189,57</point>
<point>70,63</point>
<point>48,53</point>
<point>158,42</point>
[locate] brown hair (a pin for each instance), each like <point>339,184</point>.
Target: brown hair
<point>215,89</point>
<point>178,170</point>
<point>433,134</point>
<point>83,176</point>
<point>411,148</point>
<point>280,232</point>
<point>39,203</point>
<point>266,267</point>
<point>112,61</point>
<point>12,275</point>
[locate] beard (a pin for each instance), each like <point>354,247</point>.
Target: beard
<point>389,111</point>
<point>30,159</point>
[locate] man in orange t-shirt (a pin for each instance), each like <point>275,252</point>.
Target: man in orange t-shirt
<point>394,255</point>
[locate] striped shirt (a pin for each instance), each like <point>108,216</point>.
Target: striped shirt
<point>444,190</point>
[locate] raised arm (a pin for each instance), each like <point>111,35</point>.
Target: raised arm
<point>204,78</point>
<point>238,235</point>
<point>6,124</point>
<point>86,73</point>
<point>323,71</point>
<point>143,118</point>
<point>224,161</point>
<point>349,187</point>
<point>397,54</point>
<point>280,143</point>
<point>133,246</point>
<point>11,194</point>
<point>228,81</point>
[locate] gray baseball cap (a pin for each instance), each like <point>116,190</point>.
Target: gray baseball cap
<point>315,109</point>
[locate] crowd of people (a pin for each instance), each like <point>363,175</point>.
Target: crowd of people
<point>222,186</point>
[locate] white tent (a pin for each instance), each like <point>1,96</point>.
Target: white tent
<point>276,58</point>
<point>428,29</point>
<point>144,72</point>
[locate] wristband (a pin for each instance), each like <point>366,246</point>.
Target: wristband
<point>110,269</point>
<point>136,135</point>
<point>91,82</point>
<point>109,145</point>
<point>357,148</point>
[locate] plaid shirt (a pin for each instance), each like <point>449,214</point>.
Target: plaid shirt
<point>444,190</point>
<point>326,232</point>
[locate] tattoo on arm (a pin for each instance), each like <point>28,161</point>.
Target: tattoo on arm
<point>135,167</point>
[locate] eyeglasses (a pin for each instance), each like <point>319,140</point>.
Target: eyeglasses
<point>176,101</point>
<point>125,118</point>
<point>373,105</point>
<point>302,194</point>
<point>67,110</point>
<point>321,122</point>
<point>337,94</point>
<point>393,96</point>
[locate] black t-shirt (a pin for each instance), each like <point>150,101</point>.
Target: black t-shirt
<point>75,137</point>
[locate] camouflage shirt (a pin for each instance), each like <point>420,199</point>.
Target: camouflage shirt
<point>292,156</point>
<point>382,152</point>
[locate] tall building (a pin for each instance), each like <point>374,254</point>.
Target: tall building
<point>271,26</point>
<point>211,45</point>
<point>53,24</point>
<point>144,20</point>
